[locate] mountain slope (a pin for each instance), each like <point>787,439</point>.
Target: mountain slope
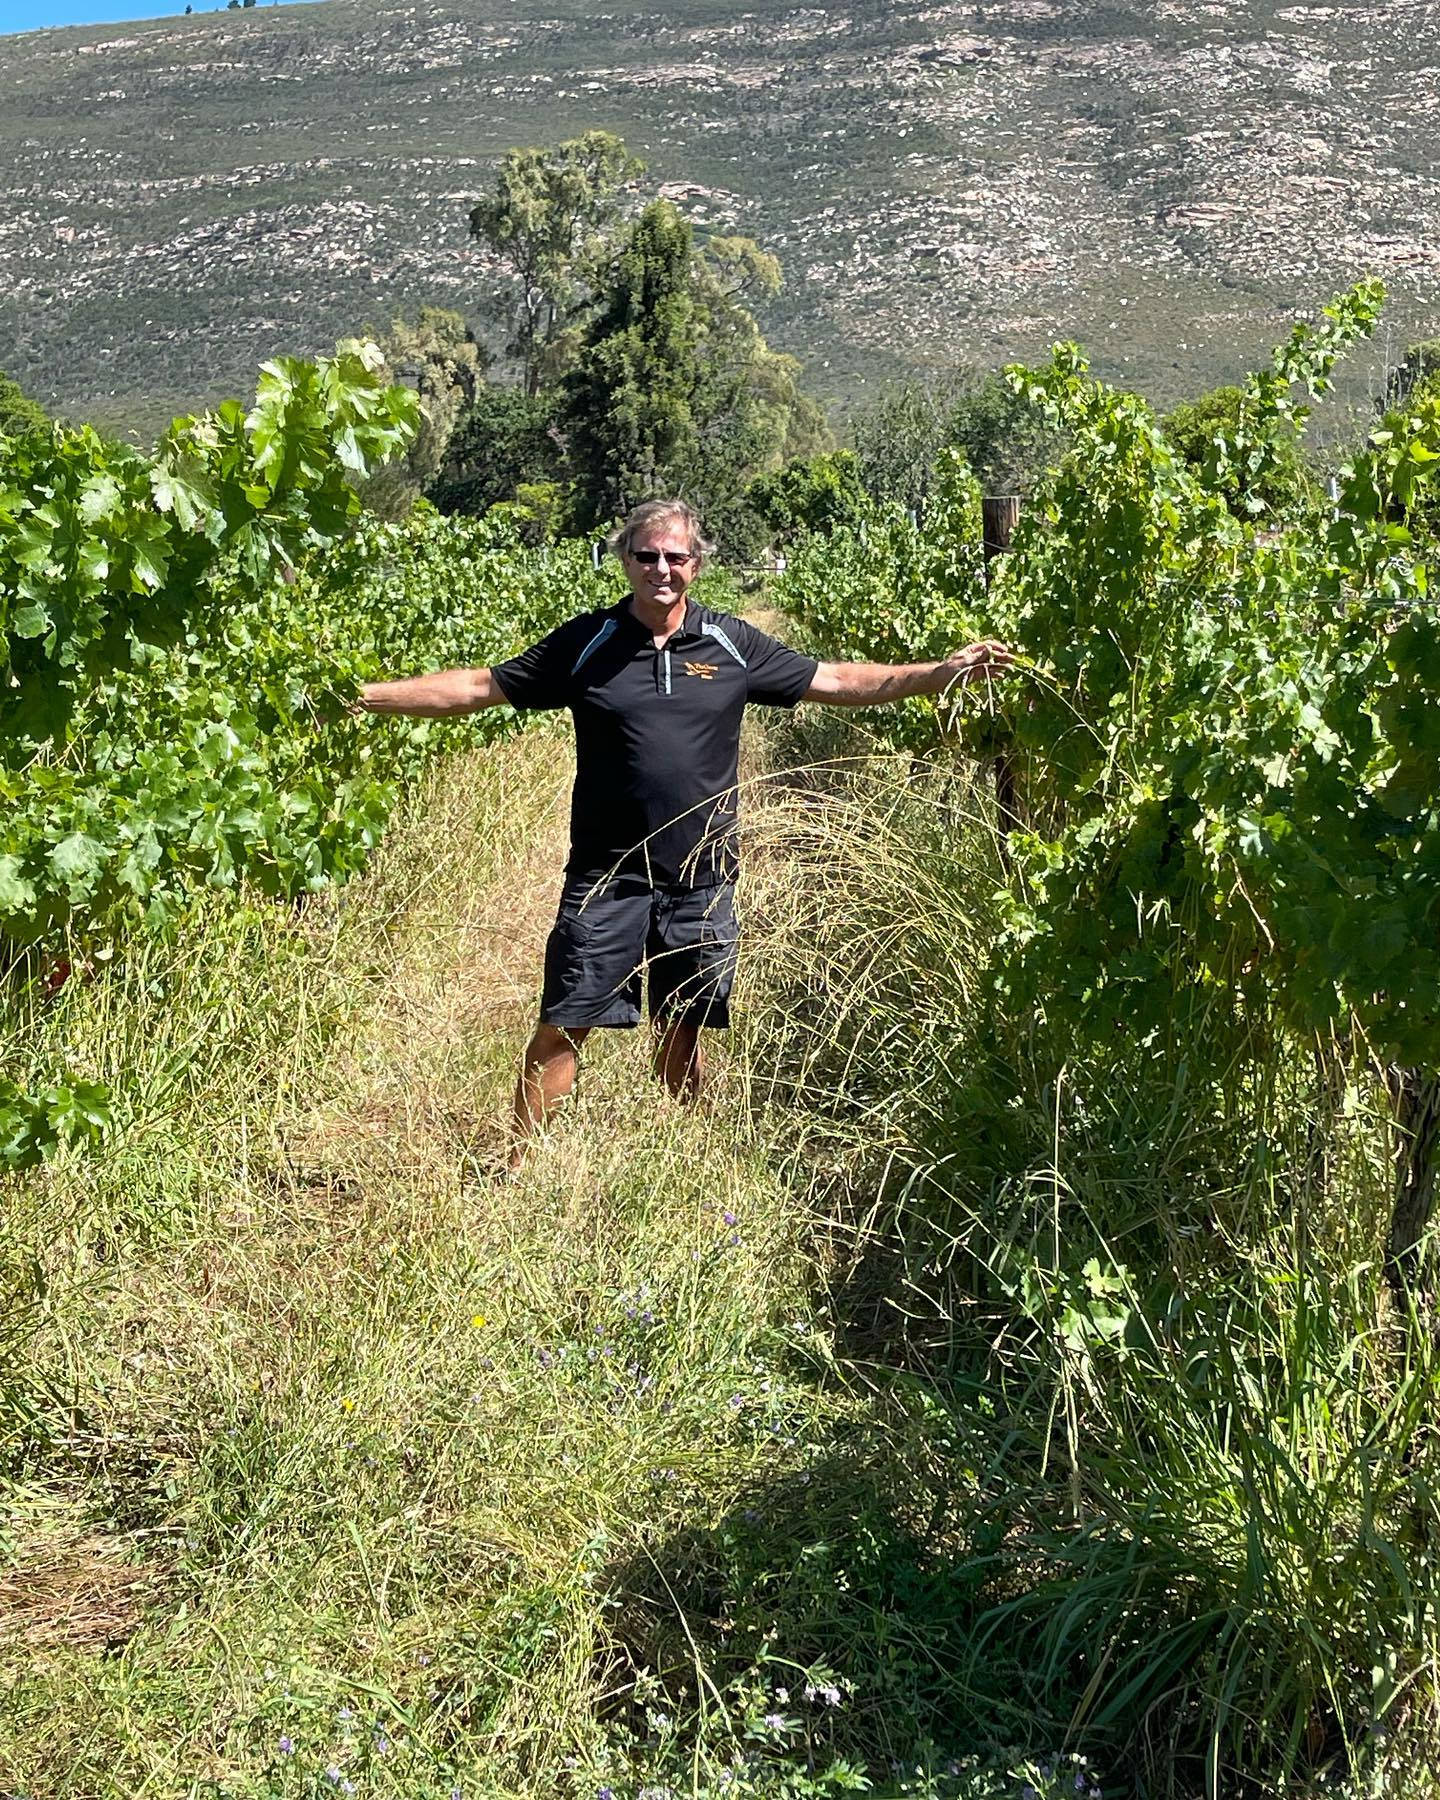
<point>187,196</point>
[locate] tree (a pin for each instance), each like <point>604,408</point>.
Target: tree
<point>899,437</point>
<point>440,359</point>
<point>627,403</point>
<point>507,440</point>
<point>1007,444</point>
<point>748,409</point>
<point>676,391</point>
<point>550,220</point>
<point>18,412</point>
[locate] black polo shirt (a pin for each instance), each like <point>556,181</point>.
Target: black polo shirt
<point>657,734</point>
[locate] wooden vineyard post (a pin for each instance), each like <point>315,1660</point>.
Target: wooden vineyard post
<point>1415,1096</point>
<point>1000,514</point>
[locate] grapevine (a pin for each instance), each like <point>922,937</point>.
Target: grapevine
<point>174,714</point>
<point>1225,722</point>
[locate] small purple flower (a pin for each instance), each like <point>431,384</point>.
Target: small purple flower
<point>729,1217</point>
<point>286,1746</point>
<point>773,1722</point>
<point>544,1358</point>
<point>345,1715</point>
<point>605,1793</point>
<point>734,1239</point>
<point>332,1775</point>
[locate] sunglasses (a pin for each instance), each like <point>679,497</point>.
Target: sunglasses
<point>675,558</point>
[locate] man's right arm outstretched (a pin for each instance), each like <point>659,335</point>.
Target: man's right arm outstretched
<point>444,695</point>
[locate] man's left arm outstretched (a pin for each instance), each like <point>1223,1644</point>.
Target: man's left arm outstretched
<point>876,684</point>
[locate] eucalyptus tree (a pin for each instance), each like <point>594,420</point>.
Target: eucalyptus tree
<point>550,220</point>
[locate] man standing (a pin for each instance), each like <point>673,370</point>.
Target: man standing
<point>657,686</point>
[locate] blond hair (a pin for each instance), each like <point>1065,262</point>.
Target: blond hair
<point>652,512</point>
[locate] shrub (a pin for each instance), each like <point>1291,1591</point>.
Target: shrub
<point>810,494</point>
<point>507,438</point>
<point>18,412</point>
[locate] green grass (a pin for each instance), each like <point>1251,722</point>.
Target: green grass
<point>328,1420</point>
<point>326,1451</point>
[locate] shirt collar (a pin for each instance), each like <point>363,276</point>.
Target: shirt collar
<point>690,623</point>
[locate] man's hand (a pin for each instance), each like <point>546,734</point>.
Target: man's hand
<point>876,684</point>
<point>988,657</point>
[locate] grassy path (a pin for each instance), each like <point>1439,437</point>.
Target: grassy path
<point>351,1469</point>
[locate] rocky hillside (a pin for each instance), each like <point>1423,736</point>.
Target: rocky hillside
<point>1169,181</point>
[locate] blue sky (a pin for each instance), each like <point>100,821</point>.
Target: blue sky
<point>30,15</point>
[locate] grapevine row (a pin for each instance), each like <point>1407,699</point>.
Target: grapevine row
<point>182,636</point>
<point>1225,721</point>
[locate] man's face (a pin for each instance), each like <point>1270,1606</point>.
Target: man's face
<point>660,563</point>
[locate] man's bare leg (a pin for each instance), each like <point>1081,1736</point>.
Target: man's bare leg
<point>679,1061</point>
<point>547,1076</point>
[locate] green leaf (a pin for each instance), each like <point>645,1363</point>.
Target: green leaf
<point>17,894</point>
<point>77,857</point>
<point>100,499</point>
<point>30,621</point>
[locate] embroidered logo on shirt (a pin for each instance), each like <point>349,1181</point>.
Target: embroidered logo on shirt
<point>706,671</point>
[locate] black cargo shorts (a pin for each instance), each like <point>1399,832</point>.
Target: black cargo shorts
<point>613,936</point>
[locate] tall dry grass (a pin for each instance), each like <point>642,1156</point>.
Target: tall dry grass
<point>935,1406</point>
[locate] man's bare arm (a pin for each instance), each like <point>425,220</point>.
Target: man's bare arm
<point>444,695</point>
<point>876,684</point>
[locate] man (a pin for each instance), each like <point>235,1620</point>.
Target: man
<point>657,686</point>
